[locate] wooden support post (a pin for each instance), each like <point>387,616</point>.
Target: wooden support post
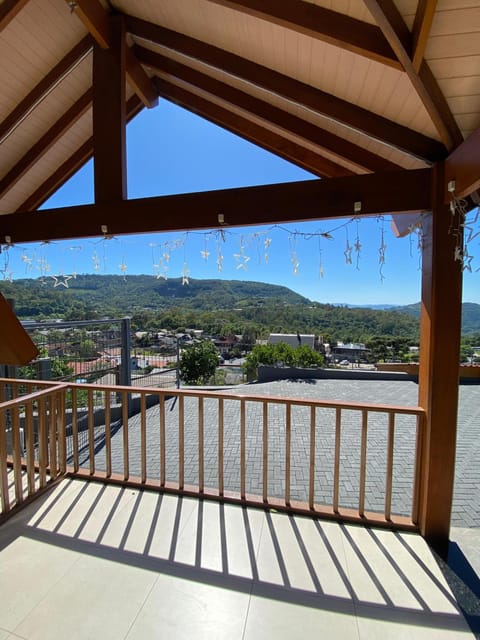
<point>109,117</point>
<point>440,329</point>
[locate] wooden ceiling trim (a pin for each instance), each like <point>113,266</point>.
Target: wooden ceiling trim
<point>44,87</point>
<point>407,191</point>
<point>65,171</point>
<point>378,127</point>
<point>396,32</point>
<point>320,137</point>
<point>463,166</point>
<point>46,141</point>
<point>97,20</point>
<point>324,24</point>
<point>421,30</point>
<point>8,10</point>
<point>252,132</point>
<point>109,116</point>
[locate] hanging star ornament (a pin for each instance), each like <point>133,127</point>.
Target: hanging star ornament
<point>348,253</point>
<point>123,268</point>
<point>60,281</point>
<point>185,274</point>
<point>242,259</point>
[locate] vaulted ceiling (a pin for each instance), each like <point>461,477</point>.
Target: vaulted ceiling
<point>342,88</point>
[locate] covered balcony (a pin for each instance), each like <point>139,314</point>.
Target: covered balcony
<point>235,514</point>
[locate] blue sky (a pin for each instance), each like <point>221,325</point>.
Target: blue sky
<point>172,151</point>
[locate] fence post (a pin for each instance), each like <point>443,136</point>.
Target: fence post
<point>126,362</point>
<point>44,368</point>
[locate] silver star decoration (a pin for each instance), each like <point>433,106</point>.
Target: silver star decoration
<point>242,259</point>
<point>205,254</point>
<point>7,275</point>
<point>295,264</point>
<point>185,274</point>
<point>348,253</point>
<point>27,261</point>
<point>60,281</point>
<point>123,268</point>
<point>96,261</point>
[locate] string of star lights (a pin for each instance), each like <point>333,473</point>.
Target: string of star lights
<point>462,229</point>
<point>216,248</point>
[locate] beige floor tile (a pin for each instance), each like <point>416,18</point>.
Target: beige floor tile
<point>116,523</point>
<point>411,626</point>
<point>303,617</point>
<point>324,546</point>
<point>186,541</point>
<point>98,598</point>
<point>162,544</point>
<point>269,566</point>
<point>189,610</point>
<point>212,551</point>
<point>295,565</point>
<point>366,586</point>
<point>50,508</point>
<point>420,569</point>
<point>140,527</point>
<point>29,569</point>
<point>384,568</point>
<point>243,528</point>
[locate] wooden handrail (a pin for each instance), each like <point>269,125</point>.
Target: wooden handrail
<point>53,458</point>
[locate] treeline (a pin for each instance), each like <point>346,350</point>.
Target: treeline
<point>218,307</point>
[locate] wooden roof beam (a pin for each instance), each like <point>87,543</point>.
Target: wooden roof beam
<point>421,30</point>
<point>402,192</point>
<point>396,32</point>
<point>8,11</point>
<point>67,169</point>
<point>49,138</point>
<point>463,167</point>
<point>324,24</point>
<point>341,111</point>
<point>109,116</point>
<point>97,21</point>
<point>334,144</point>
<point>253,132</point>
<point>44,87</point>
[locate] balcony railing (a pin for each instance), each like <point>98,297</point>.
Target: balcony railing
<point>350,461</point>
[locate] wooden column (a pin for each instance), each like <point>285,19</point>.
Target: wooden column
<point>440,329</point>
<point>109,116</point>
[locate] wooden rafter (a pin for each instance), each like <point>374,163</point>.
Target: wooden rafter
<point>270,114</point>
<point>97,21</point>
<point>46,142</point>
<point>396,32</point>
<point>67,169</point>
<point>43,88</point>
<point>324,24</point>
<point>463,166</point>
<point>421,30</point>
<point>341,111</point>
<point>109,116</point>
<point>404,191</point>
<point>253,132</point>
<point>8,11</point>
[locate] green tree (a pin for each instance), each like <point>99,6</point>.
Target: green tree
<point>198,362</point>
<point>271,354</point>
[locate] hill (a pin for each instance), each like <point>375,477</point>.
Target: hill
<point>470,315</point>
<point>217,306</point>
<point>113,295</point>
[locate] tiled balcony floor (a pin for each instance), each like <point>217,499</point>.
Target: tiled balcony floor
<point>98,561</point>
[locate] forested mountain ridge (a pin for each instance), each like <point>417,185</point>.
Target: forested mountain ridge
<point>216,306</point>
